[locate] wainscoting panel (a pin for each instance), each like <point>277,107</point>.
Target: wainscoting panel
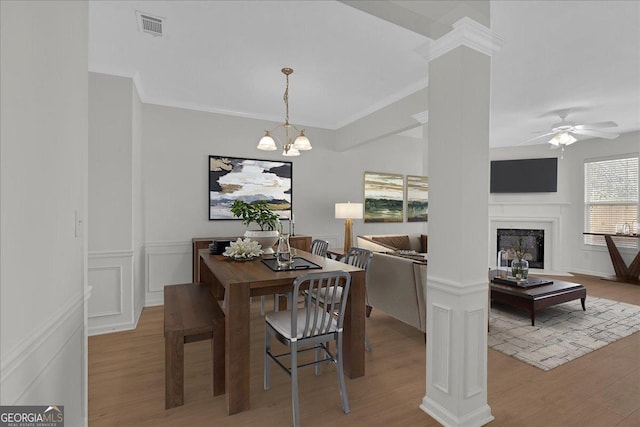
<point>52,354</point>
<point>107,286</point>
<point>442,345</point>
<point>166,263</point>
<point>111,304</point>
<point>476,324</point>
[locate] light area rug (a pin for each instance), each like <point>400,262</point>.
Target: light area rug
<point>562,332</point>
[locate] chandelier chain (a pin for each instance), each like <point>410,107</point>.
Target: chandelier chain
<point>286,102</point>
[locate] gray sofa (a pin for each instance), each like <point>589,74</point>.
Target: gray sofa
<point>397,282</point>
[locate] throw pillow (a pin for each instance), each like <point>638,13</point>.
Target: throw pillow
<point>423,243</point>
<point>397,242</point>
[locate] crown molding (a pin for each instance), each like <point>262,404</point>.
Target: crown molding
<point>469,33</point>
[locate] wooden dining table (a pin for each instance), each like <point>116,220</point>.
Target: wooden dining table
<point>237,281</point>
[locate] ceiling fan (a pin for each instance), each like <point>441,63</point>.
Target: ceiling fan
<point>562,133</point>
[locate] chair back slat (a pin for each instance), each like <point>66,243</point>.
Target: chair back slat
<point>319,247</point>
<point>318,319</point>
<point>358,258</point>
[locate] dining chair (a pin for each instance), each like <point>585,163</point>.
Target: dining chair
<point>356,257</point>
<point>308,328</point>
<point>319,247</point>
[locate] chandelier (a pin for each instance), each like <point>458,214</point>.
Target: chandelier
<point>290,147</point>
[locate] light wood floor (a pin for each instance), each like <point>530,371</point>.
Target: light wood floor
<point>126,381</point>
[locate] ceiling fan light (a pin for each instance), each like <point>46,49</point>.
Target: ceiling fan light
<point>267,143</point>
<point>562,138</point>
<point>302,143</point>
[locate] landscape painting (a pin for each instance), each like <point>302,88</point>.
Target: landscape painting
<point>417,198</point>
<point>249,180</point>
<point>383,197</point>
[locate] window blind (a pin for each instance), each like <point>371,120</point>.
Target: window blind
<point>611,197</point>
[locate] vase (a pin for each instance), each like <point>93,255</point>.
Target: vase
<point>283,253</point>
<point>266,239</point>
<point>520,268</point>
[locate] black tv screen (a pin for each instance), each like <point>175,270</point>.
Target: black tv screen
<point>524,176</point>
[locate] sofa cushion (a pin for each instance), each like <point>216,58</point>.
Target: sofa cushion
<point>395,242</point>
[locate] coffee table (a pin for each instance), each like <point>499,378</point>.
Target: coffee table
<point>539,297</point>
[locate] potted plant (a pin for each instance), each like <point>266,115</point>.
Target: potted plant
<point>264,217</point>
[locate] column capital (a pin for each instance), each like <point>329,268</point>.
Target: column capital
<point>469,33</point>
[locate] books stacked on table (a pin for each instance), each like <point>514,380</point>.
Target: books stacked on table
<point>218,246</point>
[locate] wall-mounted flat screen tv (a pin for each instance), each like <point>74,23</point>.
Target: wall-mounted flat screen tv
<point>524,176</point>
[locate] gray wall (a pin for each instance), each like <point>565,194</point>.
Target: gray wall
<point>116,231</point>
<point>176,145</point>
<point>44,61</point>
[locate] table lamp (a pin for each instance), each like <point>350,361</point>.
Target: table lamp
<point>348,211</point>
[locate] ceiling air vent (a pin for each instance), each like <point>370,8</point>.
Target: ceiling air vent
<point>149,24</point>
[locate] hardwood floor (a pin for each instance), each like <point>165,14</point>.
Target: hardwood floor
<point>126,381</point>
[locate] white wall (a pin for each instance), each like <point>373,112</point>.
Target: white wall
<point>115,204</point>
<point>567,204</point>
<point>176,145</point>
<point>43,156</point>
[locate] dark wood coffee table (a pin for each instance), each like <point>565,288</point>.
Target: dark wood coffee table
<point>539,297</point>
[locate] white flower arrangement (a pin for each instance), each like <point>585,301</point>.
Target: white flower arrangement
<point>243,249</point>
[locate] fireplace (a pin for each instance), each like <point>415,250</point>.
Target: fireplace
<point>532,239</point>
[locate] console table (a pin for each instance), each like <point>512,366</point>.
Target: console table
<point>298,241</point>
<point>623,273</point>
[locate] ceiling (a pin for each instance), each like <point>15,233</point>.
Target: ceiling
<point>226,56</point>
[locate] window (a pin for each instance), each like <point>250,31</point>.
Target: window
<point>610,197</point>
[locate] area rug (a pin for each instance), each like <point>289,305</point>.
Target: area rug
<point>563,332</point>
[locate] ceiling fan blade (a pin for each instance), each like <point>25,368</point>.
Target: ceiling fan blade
<point>537,137</point>
<point>599,125</point>
<point>596,134</point>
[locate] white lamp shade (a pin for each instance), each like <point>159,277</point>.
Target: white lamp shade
<point>562,139</point>
<point>302,142</point>
<point>348,210</point>
<point>267,143</point>
<point>291,152</point>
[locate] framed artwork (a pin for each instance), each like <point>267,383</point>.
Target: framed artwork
<point>417,198</point>
<point>383,197</point>
<point>249,180</point>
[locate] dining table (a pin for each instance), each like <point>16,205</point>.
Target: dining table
<point>235,282</point>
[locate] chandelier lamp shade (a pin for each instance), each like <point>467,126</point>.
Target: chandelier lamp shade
<point>290,146</point>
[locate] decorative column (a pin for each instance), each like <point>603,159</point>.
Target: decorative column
<point>458,165</point>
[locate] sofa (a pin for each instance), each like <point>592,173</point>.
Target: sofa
<point>397,277</point>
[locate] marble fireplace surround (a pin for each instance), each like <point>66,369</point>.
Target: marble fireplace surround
<point>520,218</point>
